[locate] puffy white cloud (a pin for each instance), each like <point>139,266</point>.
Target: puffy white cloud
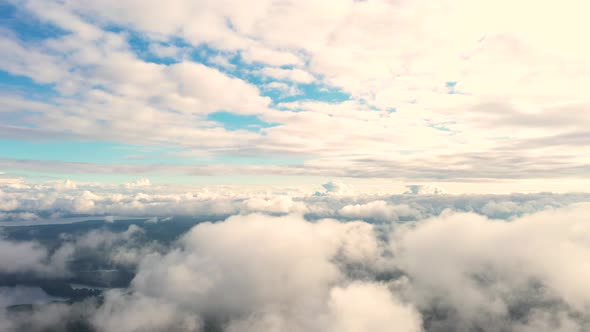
<point>32,258</point>
<point>484,272</point>
<point>50,202</point>
<point>458,271</point>
<point>139,183</point>
<point>419,189</point>
<point>273,273</point>
<point>66,185</point>
<point>139,313</point>
<point>379,210</point>
<point>370,307</point>
<point>337,188</point>
<point>271,57</point>
<point>277,204</point>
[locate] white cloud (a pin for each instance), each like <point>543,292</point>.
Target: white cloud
<point>338,188</point>
<point>135,313</point>
<point>452,271</point>
<point>418,189</point>
<point>370,307</point>
<point>47,203</point>
<point>66,185</point>
<point>32,258</point>
<point>267,251</point>
<point>277,204</point>
<point>483,269</point>
<point>270,57</point>
<point>139,183</point>
<point>379,210</point>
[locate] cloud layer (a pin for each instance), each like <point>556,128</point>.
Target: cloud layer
<point>502,97</point>
<point>447,271</point>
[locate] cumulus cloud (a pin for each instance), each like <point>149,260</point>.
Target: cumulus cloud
<point>276,204</point>
<point>337,188</point>
<point>275,273</point>
<point>127,313</point>
<point>30,258</point>
<point>419,189</point>
<point>22,257</point>
<point>380,210</point>
<point>458,271</point>
<point>42,203</point>
<point>139,183</point>
<point>496,275</point>
<point>66,184</point>
<point>370,307</point>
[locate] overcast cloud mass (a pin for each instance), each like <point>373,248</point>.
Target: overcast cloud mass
<point>294,166</point>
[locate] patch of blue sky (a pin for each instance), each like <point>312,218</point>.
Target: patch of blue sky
<point>322,92</point>
<point>441,126</point>
<point>116,153</point>
<point>144,48</point>
<point>451,87</point>
<point>232,121</point>
<point>210,57</point>
<point>88,152</point>
<point>316,92</point>
<point>25,26</point>
<point>25,85</point>
<point>368,105</point>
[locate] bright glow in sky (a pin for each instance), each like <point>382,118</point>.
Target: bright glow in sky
<point>473,95</point>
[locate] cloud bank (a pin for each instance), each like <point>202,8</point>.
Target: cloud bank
<point>458,271</point>
<point>504,96</point>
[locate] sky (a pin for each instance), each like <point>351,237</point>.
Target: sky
<point>471,96</point>
<point>312,165</point>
